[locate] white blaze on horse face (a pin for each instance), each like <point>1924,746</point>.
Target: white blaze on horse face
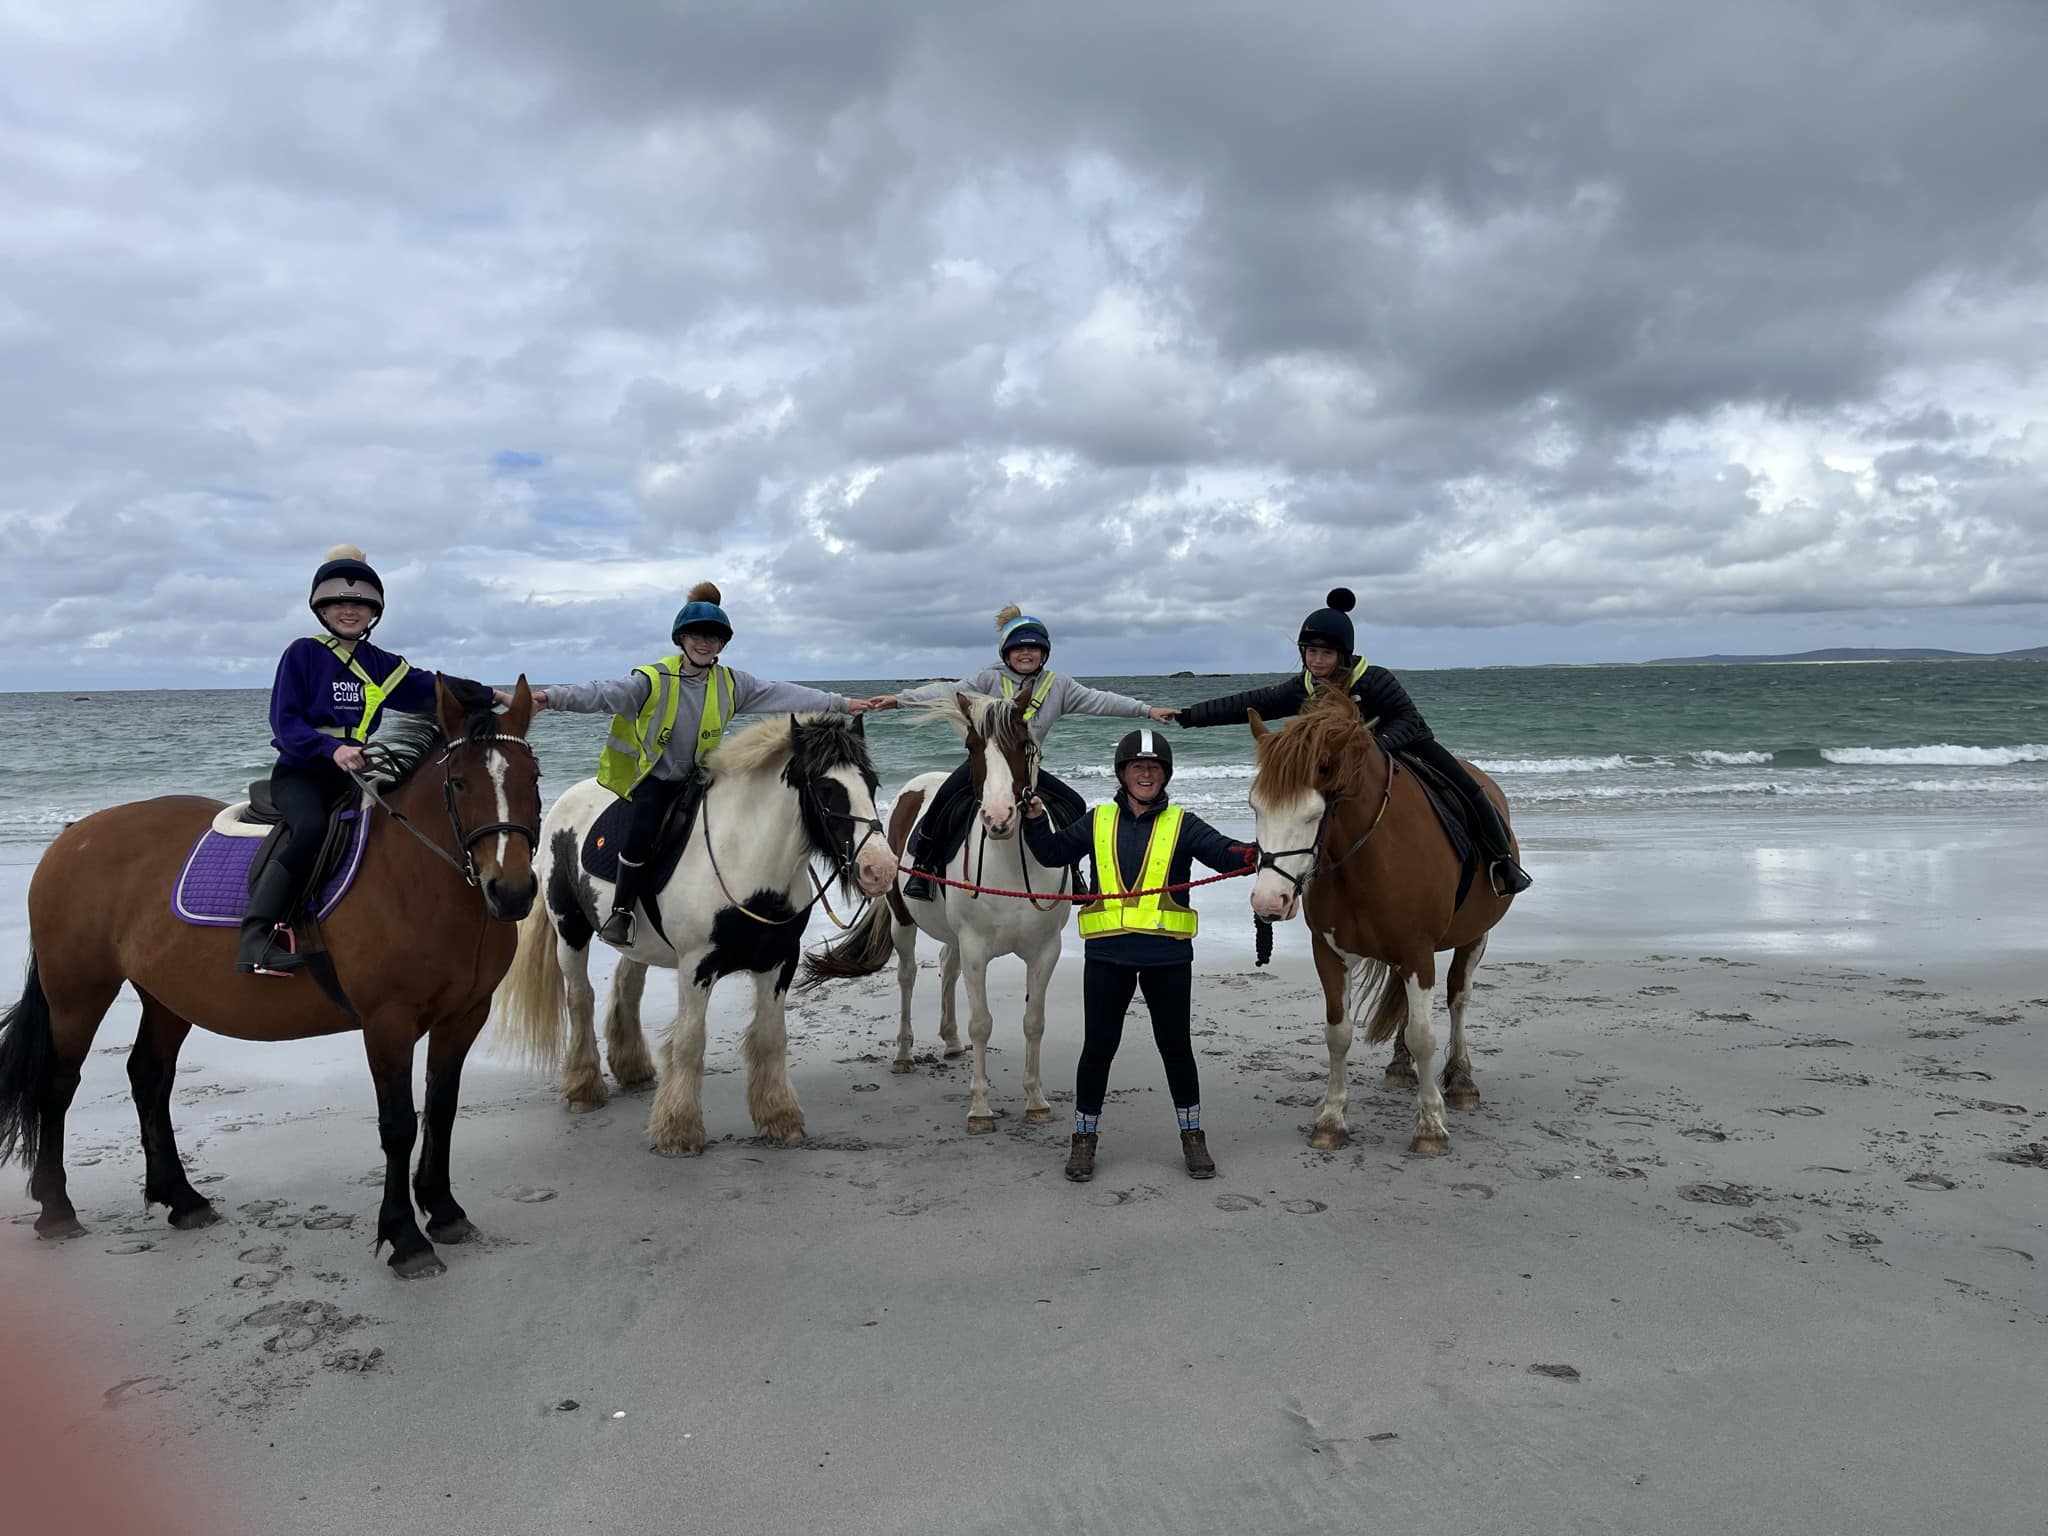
<point>498,768</point>
<point>874,865</point>
<point>998,793</point>
<point>1293,824</point>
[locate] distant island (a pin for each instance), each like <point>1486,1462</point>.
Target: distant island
<point>1849,653</point>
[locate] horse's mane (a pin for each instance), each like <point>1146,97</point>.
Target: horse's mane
<point>404,741</point>
<point>993,718</point>
<point>1329,731</point>
<point>770,746</point>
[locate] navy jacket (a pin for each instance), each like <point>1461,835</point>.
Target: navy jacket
<point>314,688</point>
<point>1198,840</point>
<point>1395,720</point>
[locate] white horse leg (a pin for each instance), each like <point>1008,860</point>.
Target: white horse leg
<point>906,983</point>
<point>1342,985</point>
<point>624,1046</point>
<point>1460,1092</point>
<point>1432,1136</point>
<point>582,1082</point>
<point>980,1024</point>
<point>771,1097</point>
<point>676,1123</point>
<point>949,1013</point>
<point>1037,979</point>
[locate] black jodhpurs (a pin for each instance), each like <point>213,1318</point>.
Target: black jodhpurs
<point>1486,818</point>
<point>651,799</point>
<point>304,796</point>
<point>1106,990</point>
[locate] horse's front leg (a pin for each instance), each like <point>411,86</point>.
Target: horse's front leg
<point>676,1123</point>
<point>388,1040</point>
<point>1037,980</point>
<point>1460,1092</point>
<point>582,1083</point>
<point>980,1025</point>
<point>624,1045</point>
<point>905,939</point>
<point>1330,1130</point>
<point>1432,1136</point>
<point>949,995</point>
<point>771,1097</point>
<point>448,1046</point>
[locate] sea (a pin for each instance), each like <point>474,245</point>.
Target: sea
<point>1719,750</point>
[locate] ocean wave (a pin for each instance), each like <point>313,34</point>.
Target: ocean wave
<point>1817,788</point>
<point>1713,759</point>
<point>1942,756</point>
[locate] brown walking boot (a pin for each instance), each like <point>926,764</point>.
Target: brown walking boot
<point>1081,1158</point>
<point>1195,1150</point>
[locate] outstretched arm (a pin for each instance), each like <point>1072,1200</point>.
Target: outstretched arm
<point>1275,701</point>
<point>1400,723</point>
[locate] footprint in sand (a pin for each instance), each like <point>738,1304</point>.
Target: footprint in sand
<point>1717,1194</point>
<point>1626,1173</point>
<point>135,1386</point>
<point>1766,1226</point>
<point>525,1194</point>
<point>1556,1372</point>
<point>1236,1202</point>
<point>1303,1207</point>
<point>1473,1191</point>
<point>1931,1181</point>
<point>2032,1154</point>
<point>138,1246</point>
<point>867,1087</point>
<point>1806,1110</point>
<point>268,1253</point>
<point>1997,1108</point>
<point>329,1221</point>
<point>1701,1133</point>
<point>1113,1197</point>
<point>258,1279</point>
<point>1857,1239</point>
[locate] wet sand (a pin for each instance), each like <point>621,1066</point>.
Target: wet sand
<point>1746,1238</point>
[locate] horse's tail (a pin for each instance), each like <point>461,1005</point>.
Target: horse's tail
<point>25,1053</point>
<point>532,997</point>
<point>864,950</point>
<point>1383,988</point>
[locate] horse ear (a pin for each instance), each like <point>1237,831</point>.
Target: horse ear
<point>453,721</point>
<point>966,709</point>
<point>1259,726</point>
<point>520,715</point>
<point>860,726</point>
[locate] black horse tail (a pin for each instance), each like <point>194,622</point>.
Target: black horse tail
<point>24,1069</point>
<point>864,950</point>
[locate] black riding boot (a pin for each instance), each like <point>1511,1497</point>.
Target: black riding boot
<point>270,899</point>
<point>618,928</point>
<point>1507,877</point>
<point>918,887</point>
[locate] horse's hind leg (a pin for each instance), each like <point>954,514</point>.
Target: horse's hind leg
<point>152,1066</point>
<point>625,1047</point>
<point>771,1097</point>
<point>949,1002</point>
<point>1460,1092</point>
<point>905,939</point>
<point>388,1040</point>
<point>448,1046</point>
<point>1400,1065</point>
<point>1432,1136</point>
<point>582,1082</point>
<point>43,1047</point>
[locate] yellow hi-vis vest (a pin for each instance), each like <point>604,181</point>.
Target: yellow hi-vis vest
<point>1156,913</point>
<point>1308,678</point>
<point>1045,682</point>
<point>635,745</point>
<point>374,692</point>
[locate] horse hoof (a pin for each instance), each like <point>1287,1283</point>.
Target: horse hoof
<point>791,1138</point>
<point>58,1229</point>
<point>677,1149</point>
<point>1039,1116</point>
<point>1326,1139</point>
<point>637,1081</point>
<point>584,1105</point>
<point>955,1052</point>
<point>1462,1098</point>
<point>981,1125</point>
<point>1399,1079</point>
<point>460,1230</point>
<point>419,1266</point>
<point>899,1067</point>
<point>197,1217</point>
<point>1429,1146</point>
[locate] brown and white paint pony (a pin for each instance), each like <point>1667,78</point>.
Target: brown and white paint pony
<point>1355,845</point>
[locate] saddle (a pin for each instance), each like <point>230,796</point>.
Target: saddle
<point>607,835</point>
<point>1453,815</point>
<point>213,887</point>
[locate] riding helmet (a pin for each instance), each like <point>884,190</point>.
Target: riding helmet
<point>1014,627</point>
<point>1144,745</point>
<point>1331,625</point>
<point>701,614</point>
<point>345,577</point>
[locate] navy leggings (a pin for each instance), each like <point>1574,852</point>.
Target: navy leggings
<point>1106,991</point>
<point>651,799</point>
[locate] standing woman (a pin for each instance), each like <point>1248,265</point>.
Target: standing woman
<point>647,760</point>
<point>1138,843</point>
<point>1023,646</point>
<point>1328,660</point>
<point>324,704</point>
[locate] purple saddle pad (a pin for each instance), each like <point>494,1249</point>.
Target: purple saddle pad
<point>213,887</point>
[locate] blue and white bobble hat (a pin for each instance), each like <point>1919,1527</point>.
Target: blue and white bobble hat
<point>1014,627</point>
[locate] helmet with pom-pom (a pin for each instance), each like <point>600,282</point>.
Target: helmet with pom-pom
<point>1330,625</point>
<point>700,614</point>
<point>1015,627</point>
<point>345,576</point>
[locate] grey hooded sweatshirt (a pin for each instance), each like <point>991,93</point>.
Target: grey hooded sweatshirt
<point>750,696</point>
<point>1066,697</point>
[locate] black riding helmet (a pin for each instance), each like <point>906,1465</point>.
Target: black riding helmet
<point>1331,625</point>
<point>1144,745</point>
<point>345,576</point>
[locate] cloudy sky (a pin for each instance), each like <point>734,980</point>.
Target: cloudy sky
<point>1595,329</point>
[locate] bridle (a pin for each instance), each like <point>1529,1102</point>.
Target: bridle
<point>843,862</point>
<point>465,839</point>
<point>1034,760</point>
<point>1271,859</point>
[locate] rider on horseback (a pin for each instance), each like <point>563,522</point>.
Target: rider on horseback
<point>646,760</point>
<point>324,704</point>
<point>1024,644</point>
<point>1327,659</point>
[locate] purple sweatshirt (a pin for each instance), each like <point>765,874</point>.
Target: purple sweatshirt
<point>314,687</point>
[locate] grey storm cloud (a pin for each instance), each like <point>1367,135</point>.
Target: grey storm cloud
<point>1554,322</point>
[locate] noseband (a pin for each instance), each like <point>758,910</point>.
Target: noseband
<point>465,841</point>
<point>1271,860</point>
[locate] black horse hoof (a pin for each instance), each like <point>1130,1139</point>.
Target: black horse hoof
<point>191,1220</point>
<point>460,1230</point>
<point>418,1266</point>
<point>55,1229</point>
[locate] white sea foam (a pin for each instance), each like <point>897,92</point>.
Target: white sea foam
<point>1937,756</point>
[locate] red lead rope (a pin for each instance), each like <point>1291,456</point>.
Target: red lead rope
<point>1157,890</point>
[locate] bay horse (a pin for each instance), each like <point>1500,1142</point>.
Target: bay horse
<point>1354,843</point>
<point>780,792</point>
<point>971,929</point>
<point>418,951</point>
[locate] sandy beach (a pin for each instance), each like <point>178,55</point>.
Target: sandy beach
<point>1747,1237</point>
